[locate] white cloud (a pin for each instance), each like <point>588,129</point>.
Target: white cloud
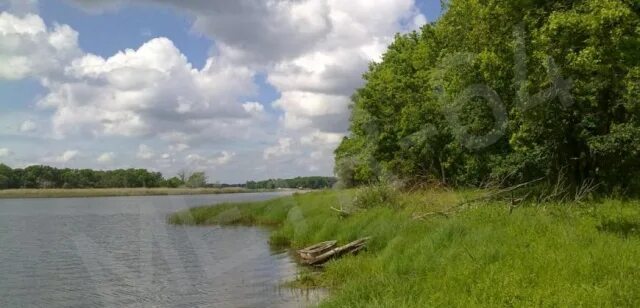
<point>106,158</point>
<point>313,52</point>
<point>145,152</point>
<point>29,49</point>
<point>65,157</point>
<point>316,86</point>
<point>253,107</point>
<point>321,138</point>
<point>199,162</point>
<point>149,91</point>
<point>4,152</point>
<point>282,148</point>
<point>28,126</point>
<point>224,158</point>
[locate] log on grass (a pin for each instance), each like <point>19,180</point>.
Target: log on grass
<point>314,251</point>
<point>352,247</point>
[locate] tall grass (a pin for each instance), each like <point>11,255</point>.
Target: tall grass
<point>537,255</point>
<point>113,192</point>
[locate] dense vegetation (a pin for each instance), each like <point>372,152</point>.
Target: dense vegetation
<point>311,182</point>
<point>556,255</point>
<point>49,177</point>
<point>24,193</point>
<point>503,91</point>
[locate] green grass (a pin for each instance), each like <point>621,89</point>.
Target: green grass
<point>553,255</point>
<point>113,192</point>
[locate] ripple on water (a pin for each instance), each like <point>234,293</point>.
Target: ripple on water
<point>120,252</point>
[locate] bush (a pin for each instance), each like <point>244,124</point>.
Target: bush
<point>378,195</point>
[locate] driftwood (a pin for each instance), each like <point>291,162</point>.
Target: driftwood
<point>327,255</point>
<point>314,251</point>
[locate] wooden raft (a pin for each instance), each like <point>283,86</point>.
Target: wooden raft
<point>325,251</point>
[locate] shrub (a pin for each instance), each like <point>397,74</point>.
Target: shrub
<point>378,195</point>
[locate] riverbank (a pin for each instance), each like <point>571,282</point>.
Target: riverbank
<point>116,192</point>
<point>423,253</point>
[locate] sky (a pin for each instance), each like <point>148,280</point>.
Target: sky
<point>243,90</point>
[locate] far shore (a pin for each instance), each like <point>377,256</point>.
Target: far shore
<point>118,192</point>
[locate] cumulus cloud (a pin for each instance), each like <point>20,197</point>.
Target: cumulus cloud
<point>145,152</point>
<point>153,90</point>
<point>313,52</point>
<point>224,158</point>
<point>316,86</point>
<point>282,148</point>
<point>255,31</point>
<point>4,152</point>
<point>106,158</point>
<point>200,162</point>
<point>65,157</point>
<point>29,49</point>
<point>253,107</point>
<point>28,126</point>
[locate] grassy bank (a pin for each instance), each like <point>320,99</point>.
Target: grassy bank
<point>551,255</point>
<point>113,192</point>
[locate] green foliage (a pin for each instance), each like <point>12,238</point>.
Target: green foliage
<point>554,255</point>
<point>378,195</point>
<point>409,119</point>
<point>174,182</point>
<point>49,177</point>
<point>197,180</point>
<point>310,182</point>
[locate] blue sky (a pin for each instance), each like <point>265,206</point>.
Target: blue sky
<point>270,103</point>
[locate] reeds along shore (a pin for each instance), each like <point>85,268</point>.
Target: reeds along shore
<point>114,192</point>
<point>485,253</point>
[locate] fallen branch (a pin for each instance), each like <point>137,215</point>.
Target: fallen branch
<point>500,192</point>
<point>352,247</point>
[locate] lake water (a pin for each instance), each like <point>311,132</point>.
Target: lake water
<point>120,252</point>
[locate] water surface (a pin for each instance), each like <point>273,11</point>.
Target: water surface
<point>119,251</point>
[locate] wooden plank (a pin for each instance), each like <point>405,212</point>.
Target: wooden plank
<point>352,247</point>
<point>316,250</point>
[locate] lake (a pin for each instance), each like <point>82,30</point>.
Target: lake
<point>119,251</point>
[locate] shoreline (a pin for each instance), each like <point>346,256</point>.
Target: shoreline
<point>417,239</point>
<point>119,192</point>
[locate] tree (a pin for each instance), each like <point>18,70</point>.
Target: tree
<point>6,177</point>
<point>174,182</point>
<point>483,94</point>
<point>197,180</point>
<point>182,175</point>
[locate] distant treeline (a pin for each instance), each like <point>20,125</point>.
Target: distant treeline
<point>50,177</point>
<point>311,182</point>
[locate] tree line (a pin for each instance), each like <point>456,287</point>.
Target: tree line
<point>41,176</point>
<point>312,182</point>
<point>50,177</point>
<point>503,91</point>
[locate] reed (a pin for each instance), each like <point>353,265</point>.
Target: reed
<point>486,253</point>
